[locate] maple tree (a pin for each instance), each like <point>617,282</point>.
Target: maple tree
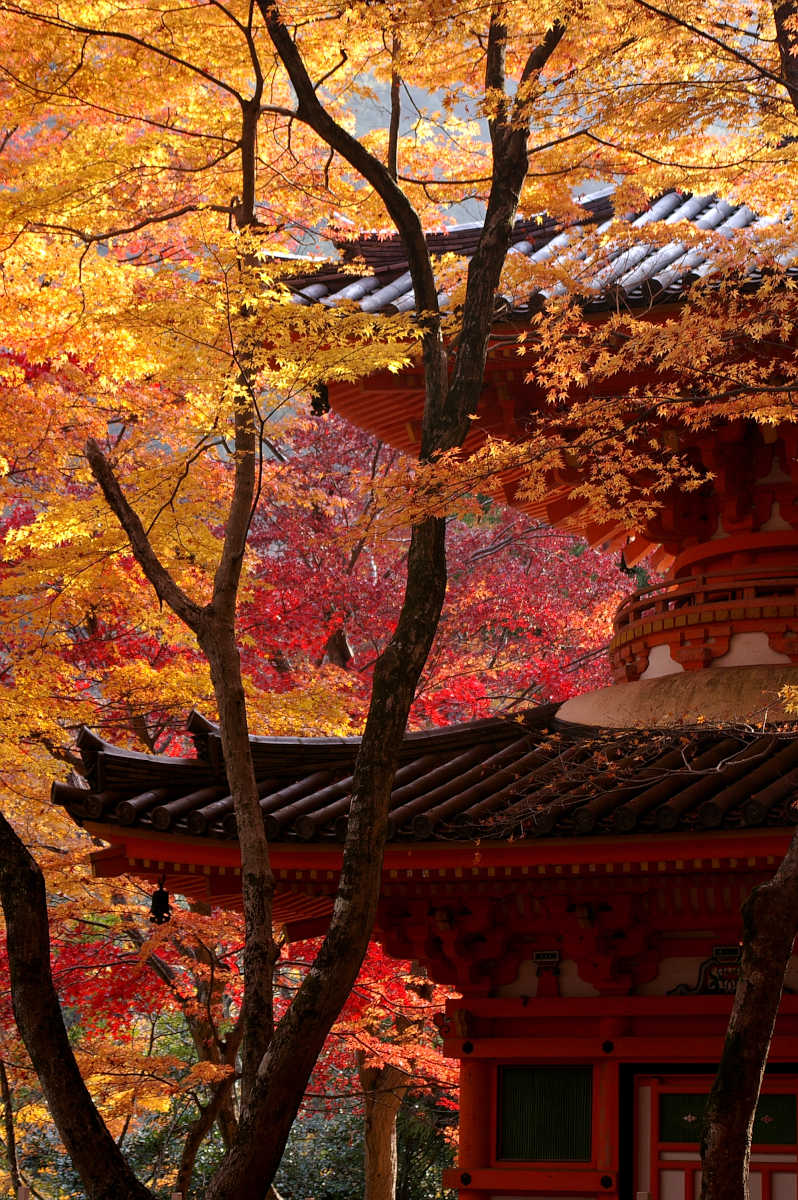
<point>385,1033</point>
<point>486,651</point>
<point>125,661</point>
<point>160,163</point>
<point>745,367</point>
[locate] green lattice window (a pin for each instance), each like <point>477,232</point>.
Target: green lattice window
<point>681,1117</point>
<point>545,1114</point>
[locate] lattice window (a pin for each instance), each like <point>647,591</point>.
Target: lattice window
<point>545,1114</point>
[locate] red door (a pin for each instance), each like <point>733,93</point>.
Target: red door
<point>669,1109</point>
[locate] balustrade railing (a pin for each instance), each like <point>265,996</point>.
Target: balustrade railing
<point>726,590</point>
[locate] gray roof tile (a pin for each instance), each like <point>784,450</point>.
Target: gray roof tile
<point>496,779</point>
<point>644,270</point>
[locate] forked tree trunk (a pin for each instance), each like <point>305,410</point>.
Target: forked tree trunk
<point>383,1092</point>
<point>276,1066</point>
<point>770,921</point>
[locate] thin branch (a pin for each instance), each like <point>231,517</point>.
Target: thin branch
<point>19,10</point>
<point>471,181</point>
<point>181,478</point>
<point>396,109</point>
<point>165,586</point>
<point>92,238</point>
<point>279,110</point>
<point>710,37</point>
<point>476,179</point>
<point>341,62</point>
<point>661,162</point>
<point>230,16</point>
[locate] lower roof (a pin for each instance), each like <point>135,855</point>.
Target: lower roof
<point>505,779</point>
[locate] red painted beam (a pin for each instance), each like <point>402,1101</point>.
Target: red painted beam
<point>569,1180</point>
<point>607,855</point>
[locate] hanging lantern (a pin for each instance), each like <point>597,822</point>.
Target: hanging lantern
<point>160,911</point>
<point>319,400</point>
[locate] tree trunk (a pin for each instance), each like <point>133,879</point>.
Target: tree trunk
<point>266,1122</point>
<point>8,1125</point>
<point>196,1135</point>
<point>276,1064</point>
<point>784,14</point>
<point>96,1156</point>
<point>383,1092</point>
<point>217,641</point>
<point>770,921</point>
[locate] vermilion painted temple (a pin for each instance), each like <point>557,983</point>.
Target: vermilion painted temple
<point>575,872</point>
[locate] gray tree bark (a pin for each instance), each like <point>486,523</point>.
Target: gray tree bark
<point>770,920</point>
<point>383,1092</point>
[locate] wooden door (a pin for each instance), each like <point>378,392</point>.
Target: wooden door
<point>668,1115</point>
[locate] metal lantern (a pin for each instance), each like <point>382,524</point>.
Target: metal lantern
<point>160,911</point>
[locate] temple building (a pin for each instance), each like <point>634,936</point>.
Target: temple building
<point>574,871</point>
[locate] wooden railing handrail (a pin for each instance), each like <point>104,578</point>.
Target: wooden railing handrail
<point>659,598</point>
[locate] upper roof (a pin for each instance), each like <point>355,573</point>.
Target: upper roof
<point>644,272</point>
<point>499,779</point>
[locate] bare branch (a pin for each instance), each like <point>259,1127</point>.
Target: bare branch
<point>433,183</point>
<point>660,162</point>
<point>90,239</point>
<point>166,589</point>
<point>312,113</point>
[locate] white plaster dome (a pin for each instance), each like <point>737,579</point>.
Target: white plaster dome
<point>747,694</point>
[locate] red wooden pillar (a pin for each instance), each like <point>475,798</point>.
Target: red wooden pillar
<point>606,1082</point>
<point>476,1129</point>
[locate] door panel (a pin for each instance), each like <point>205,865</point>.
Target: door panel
<point>668,1118</point>
<point>783,1186</point>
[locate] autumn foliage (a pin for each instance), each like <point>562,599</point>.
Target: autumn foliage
<point>527,617</point>
<point>177,529</point>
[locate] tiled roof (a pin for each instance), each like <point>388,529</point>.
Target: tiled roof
<point>497,779</point>
<point>644,272</point>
